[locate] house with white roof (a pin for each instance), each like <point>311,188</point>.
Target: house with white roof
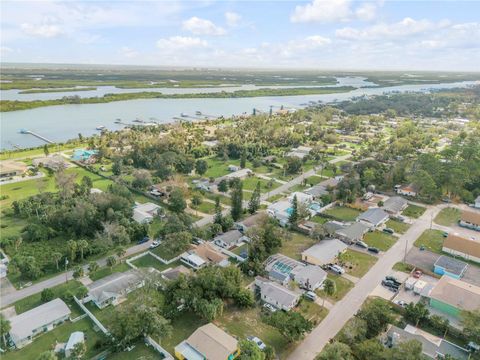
<point>75,338</point>
<point>276,295</point>
<point>373,217</point>
<point>29,324</point>
<point>324,252</point>
<point>144,213</point>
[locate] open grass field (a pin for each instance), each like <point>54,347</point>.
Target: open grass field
<point>205,207</point>
<point>250,183</point>
<point>397,226</point>
<point>183,326</point>
<point>343,286</point>
<point>448,216</point>
<point>358,262</point>
<point>150,261</point>
<point>414,211</point>
<point>311,311</point>
<point>319,219</point>
<point>163,253</point>
<point>380,240</point>
<point>431,240</point>
<point>140,352</point>
<point>298,243</point>
<point>60,334</point>
<point>105,271</point>
<point>403,267</point>
<point>343,213</point>
<point>314,180</point>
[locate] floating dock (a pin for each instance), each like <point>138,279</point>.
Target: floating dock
<point>24,131</point>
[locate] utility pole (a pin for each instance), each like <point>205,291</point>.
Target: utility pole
<point>66,275</point>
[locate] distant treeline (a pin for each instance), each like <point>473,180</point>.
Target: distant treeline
<point>39,91</point>
<point>9,105</point>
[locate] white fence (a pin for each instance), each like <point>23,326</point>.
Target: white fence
<point>92,317</point>
<point>158,348</point>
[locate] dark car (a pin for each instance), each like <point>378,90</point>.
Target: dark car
<point>373,250</point>
<point>388,231</point>
<point>143,241</point>
<point>392,278</point>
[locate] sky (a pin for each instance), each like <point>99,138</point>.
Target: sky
<point>317,34</point>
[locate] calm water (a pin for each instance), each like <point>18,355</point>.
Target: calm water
<point>63,122</point>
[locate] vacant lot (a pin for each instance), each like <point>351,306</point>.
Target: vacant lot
<point>343,286</point>
<point>311,311</point>
<point>294,247</point>
<point>343,213</point>
<point>398,226</point>
<point>105,271</point>
<point>140,352</point>
<point>380,240</point>
<point>431,240</point>
<point>358,263</point>
<point>150,261</point>
<point>448,216</point>
<point>414,211</point>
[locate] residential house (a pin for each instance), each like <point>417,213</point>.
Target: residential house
<point>230,239</point>
<point>373,217</point>
<point>451,296</point>
<point>324,252</point>
<point>445,265</point>
<point>433,347</point>
<point>309,277</point>
<point>406,190</point>
<point>470,219</point>
<point>323,188</point>
<point>250,222</point>
<point>191,259</point>
<point>395,205</point>
<point>457,245</point>
<point>276,295</point>
<point>53,162</point>
<point>203,254</point>
<point>302,198</point>
<point>352,233</point>
<point>173,274</point>
<point>29,324</point>
<point>233,168</point>
<point>114,288</point>
<point>208,342</point>
<point>280,267</point>
<point>299,152</point>
<point>240,174</point>
<point>477,202</point>
<point>144,213</point>
<point>10,168</point>
<point>331,227</point>
<point>77,337</point>
<point>281,211</point>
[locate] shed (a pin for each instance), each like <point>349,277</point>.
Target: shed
<point>418,287</point>
<point>74,339</point>
<point>410,283</point>
<point>446,265</point>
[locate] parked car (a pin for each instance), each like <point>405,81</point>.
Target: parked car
<point>144,240</point>
<point>154,244</point>
<point>310,295</point>
<point>373,250</point>
<point>361,244</point>
<point>390,283</point>
<point>336,269</point>
<point>269,307</point>
<point>400,303</point>
<point>394,279</point>
<point>261,345</point>
<point>417,274</point>
<point>388,231</point>
<point>445,234</point>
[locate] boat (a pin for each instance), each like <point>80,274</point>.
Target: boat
<point>183,115</point>
<point>198,112</point>
<point>118,121</point>
<point>138,121</point>
<point>101,127</point>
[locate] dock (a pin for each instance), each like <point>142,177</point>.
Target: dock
<point>24,131</point>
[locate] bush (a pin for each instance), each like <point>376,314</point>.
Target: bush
<point>47,295</point>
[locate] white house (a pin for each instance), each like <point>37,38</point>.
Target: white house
<point>75,338</point>
<point>302,198</point>
<point>373,217</point>
<point>406,190</point>
<point>230,239</point>
<point>280,211</point>
<point>144,213</point>
<point>29,324</point>
<point>276,295</point>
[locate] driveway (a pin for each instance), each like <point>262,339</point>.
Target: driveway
<point>426,259</point>
<point>351,303</point>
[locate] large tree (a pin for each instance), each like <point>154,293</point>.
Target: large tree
<point>254,203</point>
<point>291,324</point>
<point>177,201</point>
<point>471,325</point>
<point>237,200</point>
<point>377,315</point>
<point>250,351</point>
<point>4,328</point>
<point>336,351</point>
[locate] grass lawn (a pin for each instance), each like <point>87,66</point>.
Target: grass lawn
<point>403,267</point>
<point>105,271</point>
<point>432,240</point>
<point>61,333</point>
<point>343,287</point>
<point>150,261</point>
<point>276,197</point>
<point>163,253</point>
<point>343,213</point>
<point>240,248</point>
<point>217,167</point>
<point>397,226</point>
<point>140,352</point>
<point>205,207</point>
<point>61,290</point>
<point>311,311</point>
<point>448,216</point>
<point>414,211</point>
<point>380,240</point>
<point>294,247</point>
<point>358,263</point>
<point>314,180</point>
<point>250,183</point>
<point>183,326</point>
<point>224,200</point>
<point>298,187</point>
<point>248,322</point>
<point>319,219</point>
<point>326,173</point>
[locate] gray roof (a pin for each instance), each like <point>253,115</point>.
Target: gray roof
<point>23,324</point>
<point>252,220</point>
<point>311,274</point>
<point>451,265</point>
<point>278,293</point>
<point>395,204</point>
<point>230,237</point>
<point>429,348</point>
<point>373,215</point>
<point>354,231</point>
<point>326,250</point>
<point>322,188</point>
<point>113,285</point>
<point>332,226</point>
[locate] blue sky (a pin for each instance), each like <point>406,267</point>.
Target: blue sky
<point>333,34</point>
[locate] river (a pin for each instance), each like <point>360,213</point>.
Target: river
<point>63,122</point>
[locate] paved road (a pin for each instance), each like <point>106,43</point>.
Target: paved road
<point>351,303</point>
<point>10,298</point>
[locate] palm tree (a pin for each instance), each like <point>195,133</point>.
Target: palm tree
<point>111,261</point>
<point>93,267</point>
<point>120,251</point>
<point>56,257</point>
<point>82,245</point>
<point>72,246</point>
<point>329,287</point>
<point>4,328</point>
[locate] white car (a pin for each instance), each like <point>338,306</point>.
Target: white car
<point>261,345</point>
<point>400,303</point>
<point>311,295</point>
<point>269,307</point>
<point>337,269</point>
<point>154,244</point>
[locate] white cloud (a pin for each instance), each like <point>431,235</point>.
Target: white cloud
<point>5,50</point>
<point>406,27</point>
<point>322,11</point>
<point>232,18</point>
<point>177,43</point>
<point>198,26</point>
<point>41,30</point>
<point>366,11</point>
<point>128,52</point>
